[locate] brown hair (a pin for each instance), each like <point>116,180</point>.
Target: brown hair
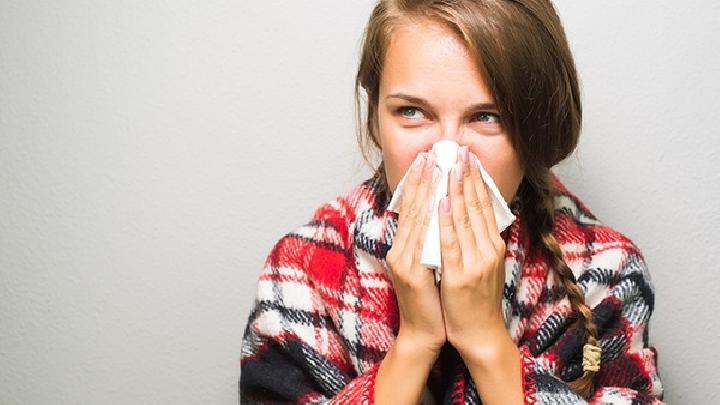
<point>521,49</point>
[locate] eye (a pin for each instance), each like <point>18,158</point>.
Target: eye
<point>486,116</point>
<point>407,112</point>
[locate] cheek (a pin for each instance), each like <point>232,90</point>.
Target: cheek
<point>398,160</point>
<point>503,165</point>
<point>399,149</point>
<point>398,157</point>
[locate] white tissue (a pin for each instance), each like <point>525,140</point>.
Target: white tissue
<point>445,156</point>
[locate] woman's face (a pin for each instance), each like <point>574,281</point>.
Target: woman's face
<point>430,90</point>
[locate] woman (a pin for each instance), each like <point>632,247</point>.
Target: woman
<point>554,309</point>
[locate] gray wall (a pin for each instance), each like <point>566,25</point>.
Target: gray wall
<point>151,153</point>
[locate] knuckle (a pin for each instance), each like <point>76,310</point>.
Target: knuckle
<point>451,249</point>
<point>391,258</point>
<point>485,204</point>
<point>464,221</point>
<point>419,244</point>
<point>413,210</point>
<point>414,283</point>
<point>419,220</point>
<point>445,240</point>
<point>494,261</point>
<point>456,283</point>
<point>475,205</point>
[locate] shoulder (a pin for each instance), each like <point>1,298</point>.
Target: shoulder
<point>600,256</point>
<point>576,224</point>
<point>319,247</point>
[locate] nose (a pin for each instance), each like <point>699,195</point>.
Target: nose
<point>451,130</point>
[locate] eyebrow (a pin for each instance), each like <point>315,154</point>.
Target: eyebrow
<point>422,101</point>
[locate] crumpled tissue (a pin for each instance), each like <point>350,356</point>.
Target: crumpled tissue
<point>445,156</point>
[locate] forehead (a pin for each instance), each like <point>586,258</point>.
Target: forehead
<point>424,54</point>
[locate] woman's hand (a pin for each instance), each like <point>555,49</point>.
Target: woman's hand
<point>418,298</point>
<point>473,256</point>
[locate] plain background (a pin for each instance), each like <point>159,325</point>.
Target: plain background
<point>151,153</point>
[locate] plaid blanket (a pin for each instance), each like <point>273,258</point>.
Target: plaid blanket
<point>325,312</point>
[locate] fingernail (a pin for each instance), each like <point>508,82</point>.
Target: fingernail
<point>429,160</point>
<point>473,161</point>
<point>465,154</point>
<point>445,205</point>
<point>436,174</point>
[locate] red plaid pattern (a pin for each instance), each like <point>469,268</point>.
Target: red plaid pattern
<point>325,312</point>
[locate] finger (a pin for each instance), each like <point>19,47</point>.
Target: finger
<point>429,207</point>
<point>450,252</point>
<point>483,192</point>
<point>417,236</point>
<point>461,219</point>
<point>477,206</point>
<point>420,238</point>
<point>408,210</point>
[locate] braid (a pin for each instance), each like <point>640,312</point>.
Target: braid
<point>539,210</point>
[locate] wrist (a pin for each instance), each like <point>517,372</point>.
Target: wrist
<point>403,372</point>
<point>420,350</point>
<point>496,370</point>
<point>487,350</point>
